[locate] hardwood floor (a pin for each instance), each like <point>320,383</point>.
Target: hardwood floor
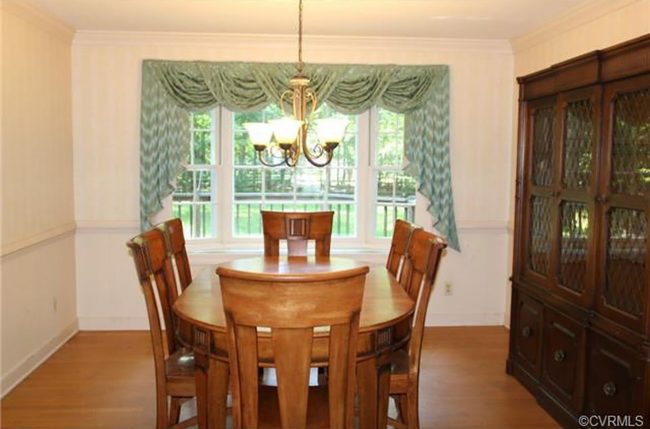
<point>105,380</point>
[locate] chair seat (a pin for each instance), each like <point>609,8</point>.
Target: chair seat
<point>179,368</point>
<point>317,408</point>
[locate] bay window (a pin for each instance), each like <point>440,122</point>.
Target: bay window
<point>224,187</point>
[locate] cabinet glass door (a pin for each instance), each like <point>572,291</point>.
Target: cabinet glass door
<point>624,276</point>
<point>574,268</point>
<point>538,205</point>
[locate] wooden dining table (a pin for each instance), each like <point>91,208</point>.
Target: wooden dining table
<point>385,314</point>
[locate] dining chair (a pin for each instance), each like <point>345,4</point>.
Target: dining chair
<point>291,308</point>
<point>297,228</point>
<point>175,241</point>
<point>174,365</point>
<point>419,274</point>
<point>402,233</point>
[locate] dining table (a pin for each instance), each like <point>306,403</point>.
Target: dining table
<point>383,327</point>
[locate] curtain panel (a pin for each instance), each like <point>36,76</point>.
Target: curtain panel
<point>173,89</point>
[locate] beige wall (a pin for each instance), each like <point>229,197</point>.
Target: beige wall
<point>38,275</point>
<point>106,99</point>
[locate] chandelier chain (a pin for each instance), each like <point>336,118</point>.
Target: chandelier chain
<point>301,65</point>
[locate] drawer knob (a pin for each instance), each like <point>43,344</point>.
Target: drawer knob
<point>526,332</point>
<point>609,388</point>
<point>559,355</point>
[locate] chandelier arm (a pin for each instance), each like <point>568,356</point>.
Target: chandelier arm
<point>312,161</point>
<point>270,164</point>
<point>289,93</point>
<point>317,151</point>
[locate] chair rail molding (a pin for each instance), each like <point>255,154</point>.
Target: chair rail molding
<point>39,239</point>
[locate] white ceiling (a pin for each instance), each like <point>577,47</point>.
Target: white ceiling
<point>473,19</point>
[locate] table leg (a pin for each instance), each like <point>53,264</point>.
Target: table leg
<point>218,376</point>
<point>201,381</point>
<point>211,379</point>
<point>373,378</point>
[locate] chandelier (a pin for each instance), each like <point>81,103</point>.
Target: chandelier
<point>282,141</point>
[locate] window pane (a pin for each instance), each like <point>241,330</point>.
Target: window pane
<point>248,184</point>
<point>388,213</point>
<point>395,190</point>
<point>342,184</point>
<point>247,219</point>
<point>202,148</point>
<point>202,121</point>
<point>310,184</point>
<point>192,202</point>
<point>385,186</point>
<point>404,188</point>
<point>344,223</point>
<point>184,186</point>
<point>390,138</point>
<point>279,183</point>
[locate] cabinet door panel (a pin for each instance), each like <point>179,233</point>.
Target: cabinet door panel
<point>543,145</point>
<point>576,189</point>
<point>575,234</point>
<point>529,334</point>
<point>624,276</point>
<point>615,379</point>
<point>563,358</point>
<point>539,213</point>
<point>578,137</point>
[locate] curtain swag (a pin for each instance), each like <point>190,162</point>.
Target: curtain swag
<point>172,89</point>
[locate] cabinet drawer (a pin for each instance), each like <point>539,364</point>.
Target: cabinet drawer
<point>563,358</point>
<point>528,334</point>
<point>615,379</point>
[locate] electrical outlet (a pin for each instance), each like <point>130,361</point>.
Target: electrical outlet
<point>449,290</point>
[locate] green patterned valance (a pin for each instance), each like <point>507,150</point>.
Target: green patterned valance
<point>171,89</point>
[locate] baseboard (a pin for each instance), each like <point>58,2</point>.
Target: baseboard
<point>113,324</point>
<point>17,374</point>
<point>463,319</point>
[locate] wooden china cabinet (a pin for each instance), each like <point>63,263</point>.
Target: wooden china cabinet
<point>580,325</point>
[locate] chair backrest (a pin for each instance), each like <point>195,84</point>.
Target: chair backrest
<point>419,274</point>
<point>297,228</point>
<point>401,237</point>
<point>291,309</point>
<point>154,269</point>
<point>175,239</point>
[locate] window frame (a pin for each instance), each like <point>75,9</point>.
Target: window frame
<point>223,189</point>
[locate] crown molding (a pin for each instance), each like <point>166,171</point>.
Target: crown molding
<point>243,41</point>
<point>42,19</point>
<point>575,17</point>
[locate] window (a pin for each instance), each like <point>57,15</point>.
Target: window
<point>194,200</point>
<point>363,185</point>
<point>300,188</point>
<point>395,191</point>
